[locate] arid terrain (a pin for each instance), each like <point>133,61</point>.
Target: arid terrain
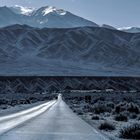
<point>116,114</point>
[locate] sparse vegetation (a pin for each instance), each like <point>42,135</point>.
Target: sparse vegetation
<point>120,107</point>
<point>133,108</point>
<point>121,117</point>
<point>130,132</point>
<point>110,104</point>
<point>95,117</point>
<point>133,116</point>
<point>101,108</point>
<point>97,109</point>
<point>106,126</point>
<point>80,113</point>
<point>112,111</point>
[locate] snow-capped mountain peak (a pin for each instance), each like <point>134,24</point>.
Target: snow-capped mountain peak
<point>50,9</point>
<point>23,10</point>
<point>47,16</point>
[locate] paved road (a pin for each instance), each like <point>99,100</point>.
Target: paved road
<point>57,123</point>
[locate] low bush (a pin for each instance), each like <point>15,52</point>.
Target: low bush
<point>3,101</point>
<point>133,116</point>
<point>98,109</point>
<point>99,99</point>
<point>120,107</point>
<point>80,113</point>
<point>101,108</point>
<point>74,111</point>
<point>128,99</point>
<point>133,108</point>
<point>110,104</point>
<point>130,132</point>
<point>121,117</point>
<point>95,117</point>
<point>106,126</point>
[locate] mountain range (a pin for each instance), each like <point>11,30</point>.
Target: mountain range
<point>28,85</point>
<point>53,42</point>
<point>77,51</point>
<point>48,16</point>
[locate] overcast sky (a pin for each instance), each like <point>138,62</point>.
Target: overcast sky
<point>118,13</point>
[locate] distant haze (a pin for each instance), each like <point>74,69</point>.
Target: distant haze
<point>118,13</point>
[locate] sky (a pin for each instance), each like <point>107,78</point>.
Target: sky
<point>117,13</point>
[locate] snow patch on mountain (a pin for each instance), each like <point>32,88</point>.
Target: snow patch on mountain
<point>50,9</point>
<point>23,10</point>
<point>124,28</point>
<point>130,29</point>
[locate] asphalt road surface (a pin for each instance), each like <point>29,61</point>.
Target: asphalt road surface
<point>57,123</point>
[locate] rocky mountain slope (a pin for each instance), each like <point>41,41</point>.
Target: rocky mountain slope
<point>26,50</point>
<point>44,84</point>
